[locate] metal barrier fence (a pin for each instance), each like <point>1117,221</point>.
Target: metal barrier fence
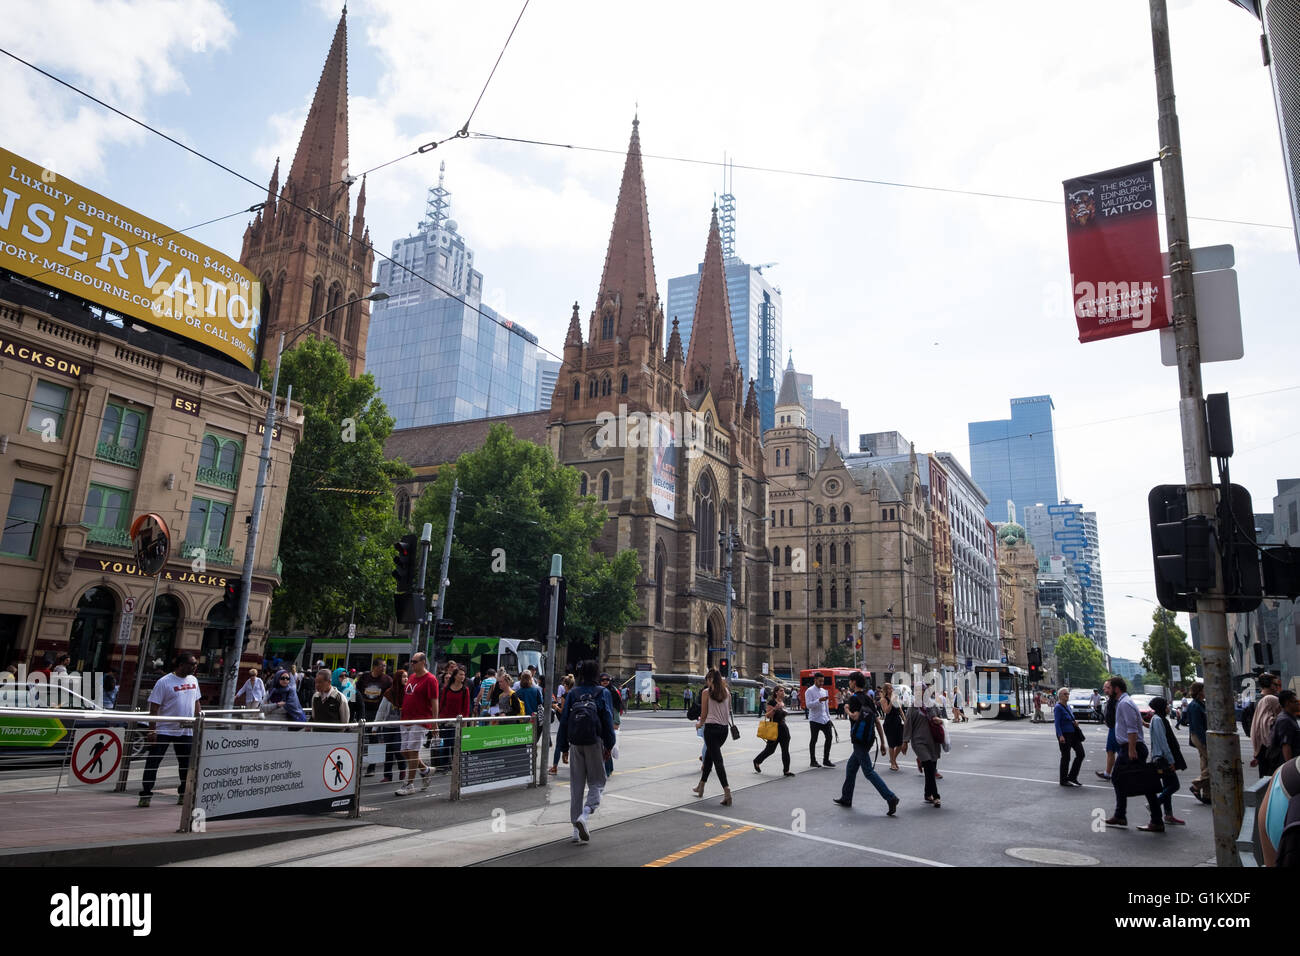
<point>245,765</point>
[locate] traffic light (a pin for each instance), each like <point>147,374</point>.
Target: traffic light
<point>1035,673</point>
<point>404,562</point>
<point>230,599</point>
<point>409,608</point>
<point>1281,567</point>
<point>1242,579</point>
<point>544,608</point>
<point>1178,574</point>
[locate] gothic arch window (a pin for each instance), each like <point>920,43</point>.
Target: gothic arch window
<point>403,506</point>
<point>622,387</point>
<point>582,484</point>
<point>818,515</point>
<point>607,326</point>
<point>335,300</point>
<point>819,595</point>
<point>706,523</point>
<point>317,298</point>
<point>787,555</point>
<point>792,517</point>
<point>776,556</point>
<point>847,562</point>
<point>708,430</point>
<point>781,522</point>
<point>834,595</point>
<point>787,456</point>
<point>661,568</point>
<point>604,385</point>
<point>591,388</point>
<point>577,390</point>
<point>353,329</point>
<point>848,602</point>
<point>699,385</point>
<point>832,550</point>
<point>277,299</point>
<point>817,555</point>
<point>778,458</point>
<point>848,515</point>
<point>604,486</point>
<point>833,513</point>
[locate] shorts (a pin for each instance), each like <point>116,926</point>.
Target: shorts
<point>1112,745</point>
<point>412,737</point>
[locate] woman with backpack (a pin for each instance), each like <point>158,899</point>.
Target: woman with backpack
<point>776,714</point>
<point>714,719</point>
<point>919,731</point>
<point>1167,757</point>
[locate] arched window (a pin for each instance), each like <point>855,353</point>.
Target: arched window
<point>817,515</point>
<point>622,387</point>
<point>778,458</point>
<point>317,299</point>
<point>832,514</point>
<point>848,515</point>
<point>787,456</point>
<point>817,554</point>
<point>708,430</point>
<point>335,300</point>
<point>604,486</point>
<point>607,326</point>
<point>591,388</point>
<point>582,485</point>
<point>847,560</point>
<point>835,595</point>
<point>781,520</point>
<point>832,549</point>
<point>848,599</point>
<point>819,595</point>
<point>353,329</point>
<point>792,517</point>
<point>403,506</point>
<point>661,568</point>
<point>776,556</point>
<point>604,385</point>
<point>787,555</point>
<point>706,523</point>
<point>577,390</point>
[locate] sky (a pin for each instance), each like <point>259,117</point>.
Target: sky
<point>916,305</point>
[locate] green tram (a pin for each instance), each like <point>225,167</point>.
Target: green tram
<point>474,652</point>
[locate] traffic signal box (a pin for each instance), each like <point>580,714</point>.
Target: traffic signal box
<point>544,608</point>
<point>230,599</point>
<point>409,606</point>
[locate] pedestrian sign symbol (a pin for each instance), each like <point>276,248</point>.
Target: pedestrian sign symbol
<point>338,769</point>
<point>97,755</point>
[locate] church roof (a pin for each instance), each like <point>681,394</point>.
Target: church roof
<point>430,445</point>
<point>712,349</point>
<point>323,149</point>
<point>629,260</point>
<point>789,387</point>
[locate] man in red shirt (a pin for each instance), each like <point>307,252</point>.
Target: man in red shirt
<point>420,702</point>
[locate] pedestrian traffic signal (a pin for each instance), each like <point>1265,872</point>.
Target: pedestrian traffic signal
<point>1184,557</point>
<point>1035,673</point>
<point>230,599</point>
<point>404,552</point>
<point>722,666</point>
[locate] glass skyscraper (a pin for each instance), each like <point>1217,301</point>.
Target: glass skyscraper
<point>1014,460</point>
<point>436,358</point>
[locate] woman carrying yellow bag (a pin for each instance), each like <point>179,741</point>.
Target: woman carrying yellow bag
<point>774,719</point>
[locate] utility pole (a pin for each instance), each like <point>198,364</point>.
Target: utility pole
<point>552,672</point>
<point>726,540</point>
<point>446,559</point>
<point>426,536</point>
<point>1222,744</point>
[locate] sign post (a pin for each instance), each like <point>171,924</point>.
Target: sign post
<point>152,546</point>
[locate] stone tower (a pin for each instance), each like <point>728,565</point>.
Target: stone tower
<point>306,249</point>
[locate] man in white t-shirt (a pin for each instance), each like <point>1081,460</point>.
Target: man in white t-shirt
<point>815,701</point>
<point>175,695</point>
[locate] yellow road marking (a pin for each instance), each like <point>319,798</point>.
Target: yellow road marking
<point>682,854</point>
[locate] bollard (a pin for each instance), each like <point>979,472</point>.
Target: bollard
<point>192,777</point>
<point>358,770</point>
<point>455,762</point>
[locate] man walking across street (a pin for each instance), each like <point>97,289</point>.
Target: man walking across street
<point>174,695</point>
<point>586,735</point>
<point>1194,718</point>
<point>371,688</point>
<point>1068,736</point>
<point>866,733</point>
<point>819,719</point>
<point>1132,754</point>
<point>420,702</point>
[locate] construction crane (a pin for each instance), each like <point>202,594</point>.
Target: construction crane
<point>759,268</point>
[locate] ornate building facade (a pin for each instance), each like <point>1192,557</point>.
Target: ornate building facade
<point>309,253</point>
<point>670,442</point>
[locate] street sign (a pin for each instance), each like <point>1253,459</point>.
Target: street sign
<point>1004,660</point>
<point>352,632</point>
<point>124,632</point>
<point>31,731</point>
<point>898,644</point>
<point>1218,319</point>
<point>128,605</point>
<point>764,667</point>
<point>494,756</point>
<point>96,755</point>
<point>246,773</point>
<point>1175,672</point>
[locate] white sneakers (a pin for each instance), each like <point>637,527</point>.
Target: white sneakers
<point>580,825</point>
<point>405,791</point>
<point>577,837</point>
<point>426,778</point>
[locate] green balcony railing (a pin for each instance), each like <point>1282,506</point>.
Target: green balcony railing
<point>118,454</point>
<point>224,556</point>
<point>277,566</point>
<point>209,475</point>
<point>113,537</point>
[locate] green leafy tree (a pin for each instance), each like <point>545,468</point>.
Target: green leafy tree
<point>518,507</point>
<point>1079,662</point>
<point>336,545</point>
<point>1165,632</point>
<point>838,655</point>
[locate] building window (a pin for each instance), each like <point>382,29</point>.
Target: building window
<point>833,514</point>
<point>622,386</point>
<point>776,600</point>
<point>835,602</point>
<point>817,555</point>
<point>835,632</point>
<point>848,599</point>
<point>848,515</point>
<point>847,562</point>
<point>819,595</point>
<point>787,555</point>
<point>776,635</point>
<point>607,326</point>
<point>776,556</point>
<point>577,390</point>
<point>121,435</point>
<point>317,294</point>
<point>788,632</point>
<point>49,408</point>
<point>787,600</point>
<point>403,506</point>
<point>792,517</point>
<point>820,634</point>
<point>22,531</point>
<point>818,515</point>
<point>582,485</point>
<point>208,528</point>
<point>591,389</point>
<point>706,523</point>
<point>781,519</point>
<point>604,386</point>
<point>219,461</point>
<point>832,550</point>
<point>107,512</point>
<point>604,486</point>
<point>787,457</point>
<point>661,568</point>
<point>778,458</point>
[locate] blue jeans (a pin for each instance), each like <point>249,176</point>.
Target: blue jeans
<point>862,758</point>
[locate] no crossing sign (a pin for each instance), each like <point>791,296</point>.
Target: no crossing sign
<point>96,755</point>
<point>337,772</point>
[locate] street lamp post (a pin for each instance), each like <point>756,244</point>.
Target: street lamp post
<point>254,521</point>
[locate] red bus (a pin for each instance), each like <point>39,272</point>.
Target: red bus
<point>837,682</point>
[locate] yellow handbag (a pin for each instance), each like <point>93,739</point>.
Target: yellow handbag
<point>767,729</point>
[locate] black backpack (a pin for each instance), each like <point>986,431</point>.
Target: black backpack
<point>864,730</point>
<point>584,720</point>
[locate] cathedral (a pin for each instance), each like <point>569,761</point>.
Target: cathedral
<point>669,439</point>
<point>310,256</point>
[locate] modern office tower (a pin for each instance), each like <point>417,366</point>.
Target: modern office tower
<point>1014,460</point>
<point>830,419</point>
<point>755,315</point>
<point>548,370</point>
<point>883,444</point>
<point>437,353</point>
<point>1065,531</point>
<point>1131,671</point>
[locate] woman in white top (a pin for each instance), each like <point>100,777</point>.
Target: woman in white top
<point>715,718</point>
<point>253,691</point>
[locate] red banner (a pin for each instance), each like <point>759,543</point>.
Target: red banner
<point>1117,278</point>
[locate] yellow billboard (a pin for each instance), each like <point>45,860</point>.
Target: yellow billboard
<point>64,235</point>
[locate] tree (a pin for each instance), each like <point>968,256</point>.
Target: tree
<point>1165,632</point>
<point>838,655</point>
<point>336,545</point>
<point>518,507</point>
<point>1079,662</point>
